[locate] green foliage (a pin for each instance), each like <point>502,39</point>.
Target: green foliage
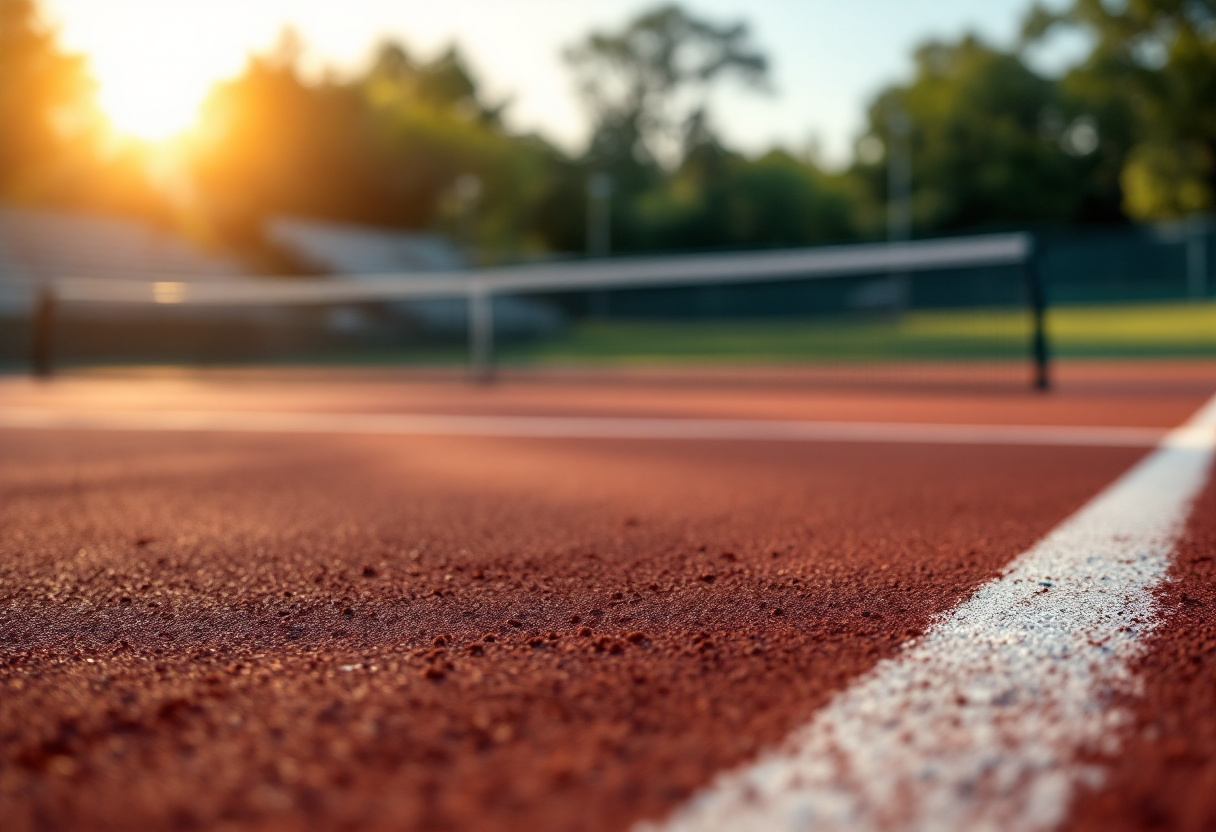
<point>718,198</point>
<point>647,88</point>
<point>647,85</point>
<point>41,94</point>
<point>1162,180</point>
<point>54,146</point>
<point>385,148</point>
<point>1157,58</point>
<point>992,142</point>
<point>1128,133</point>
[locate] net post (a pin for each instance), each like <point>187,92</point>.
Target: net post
<point>1038,316</point>
<point>481,333</point>
<point>42,324</point>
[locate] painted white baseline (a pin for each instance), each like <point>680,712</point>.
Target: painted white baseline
<point>579,427</point>
<point>977,726</point>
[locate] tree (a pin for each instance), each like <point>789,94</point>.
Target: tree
<point>384,148</point>
<point>648,85</point>
<point>46,102</point>
<point>1157,58</point>
<point>723,199</point>
<point>992,143</point>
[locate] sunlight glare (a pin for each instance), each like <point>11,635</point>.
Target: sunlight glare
<point>155,63</point>
<point>150,106</point>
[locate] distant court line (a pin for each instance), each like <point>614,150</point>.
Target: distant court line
<point>579,427</point>
<point>980,725</point>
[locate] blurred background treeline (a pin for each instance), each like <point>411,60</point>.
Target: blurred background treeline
<point>1128,134</point>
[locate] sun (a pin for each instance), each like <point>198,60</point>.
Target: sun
<point>154,63</point>
<point>153,89</point>
<point>148,106</point>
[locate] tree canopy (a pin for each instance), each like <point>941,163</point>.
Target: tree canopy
<point>1128,133</point>
<point>44,96</point>
<point>651,80</point>
<point>992,143</point>
<point>1153,65</point>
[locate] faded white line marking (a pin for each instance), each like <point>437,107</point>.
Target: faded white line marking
<point>578,427</point>
<point>977,726</point>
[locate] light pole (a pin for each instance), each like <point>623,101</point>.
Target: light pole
<point>599,231</point>
<point>468,194</point>
<point>899,175</point>
<point>599,215</point>
<point>899,196</point>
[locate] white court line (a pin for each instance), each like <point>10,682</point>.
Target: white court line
<point>577,427</point>
<point>978,725</point>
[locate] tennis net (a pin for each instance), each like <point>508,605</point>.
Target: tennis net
<point>963,309</point>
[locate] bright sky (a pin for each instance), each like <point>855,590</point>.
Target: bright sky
<point>155,59</point>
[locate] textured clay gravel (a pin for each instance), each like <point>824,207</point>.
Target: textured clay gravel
<point>202,631</point>
<point>1165,774</point>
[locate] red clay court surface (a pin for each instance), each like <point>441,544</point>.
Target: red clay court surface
<point>244,630</point>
